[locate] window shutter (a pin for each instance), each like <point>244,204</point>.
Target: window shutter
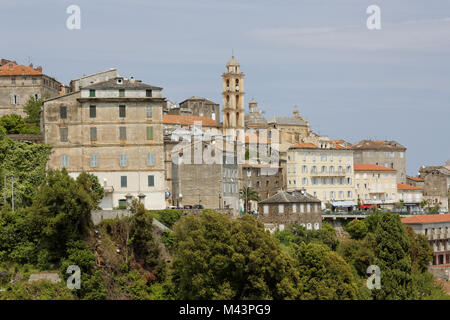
<point>149,133</point>
<point>150,159</point>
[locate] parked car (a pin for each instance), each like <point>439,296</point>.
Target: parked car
<point>188,206</point>
<point>198,206</point>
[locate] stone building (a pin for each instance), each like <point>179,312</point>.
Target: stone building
<point>77,84</point>
<point>436,186</point>
<point>415,181</point>
<point>212,182</point>
<point>18,83</point>
<point>375,186</point>
<point>389,154</point>
<point>285,208</point>
<point>437,228</point>
<point>262,178</point>
<point>114,130</point>
<point>196,106</point>
<point>291,129</point>
<point>411,196</point>
<point>326,173</point>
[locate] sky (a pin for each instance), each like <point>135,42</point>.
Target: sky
<point>350,82</point>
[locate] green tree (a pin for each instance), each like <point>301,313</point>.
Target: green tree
<point>420,251</point>
<point>219,258</point>
<point>357,229</point>
<point>295,233</point>
<point>61,209</point>
<point>249,194</point>
<point>358,253</point>
<point>13,123</point>
<point>393,257</point>
<point>141,238</point>
<point>92,186</point>
<point>2,132</point>
<point>27,163</point>
<point>33,109</point>
<point>325,275</point>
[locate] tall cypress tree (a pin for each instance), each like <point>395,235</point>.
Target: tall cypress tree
<point>392,256</point>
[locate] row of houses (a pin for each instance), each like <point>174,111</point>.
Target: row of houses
<point>141,145</point>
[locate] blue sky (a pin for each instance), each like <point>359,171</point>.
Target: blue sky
<point>318,55</point>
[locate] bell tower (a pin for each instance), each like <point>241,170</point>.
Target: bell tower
<point>233,96</point>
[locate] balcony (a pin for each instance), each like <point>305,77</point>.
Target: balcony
<point>108,189</point>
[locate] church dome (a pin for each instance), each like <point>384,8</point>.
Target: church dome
<point>254,117</point>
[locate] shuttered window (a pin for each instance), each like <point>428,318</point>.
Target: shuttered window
<point>123,160</point>
<point>93,134</point>
<point>149,133</point>
<point>150,159</point>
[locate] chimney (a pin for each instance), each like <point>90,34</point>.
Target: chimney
<point>39,69</point>
<point>132,80</point>
<point>31,66</point>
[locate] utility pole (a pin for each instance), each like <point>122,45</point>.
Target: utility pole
<point>12,193</point>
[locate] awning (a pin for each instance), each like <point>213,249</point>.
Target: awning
<point>343,203</point>
<point>366,206</point>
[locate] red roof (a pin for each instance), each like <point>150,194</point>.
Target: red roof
<point>407,187</point>
<point>188,120</point>
<point>303,145</point>
<point>416,179</point>
<point>427,218</point>
<point>12,69</point>
<point>370,167</point>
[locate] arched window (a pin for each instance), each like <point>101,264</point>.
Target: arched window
<point>237,118</point>
<point>237,100</point>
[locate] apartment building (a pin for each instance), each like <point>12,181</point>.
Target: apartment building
<point>376,186</point>
<point>436,228</point>
<point>390,154</point>
<point>205,173</point>
<point>411,196</point>
<point>114,130</point>
<point>326,173</point>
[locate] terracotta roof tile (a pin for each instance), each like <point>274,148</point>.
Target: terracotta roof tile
<point>12,69</point>
<point>188,120</point>
<point>427,218</point>
<point>416,179</point>
<point>402,186</point>
<point>303,145</point>
<point>370,167</point>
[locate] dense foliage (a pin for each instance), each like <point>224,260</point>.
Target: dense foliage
<point>26,162</point>
<point>217,258</point>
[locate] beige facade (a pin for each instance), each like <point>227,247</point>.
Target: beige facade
<point>233,96</point>
<point>411,196</point>
<point>325,173</point>
<point>114,130</point>
<point>376,185</point>
<point>389,154</point>
<point>18,83</point>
